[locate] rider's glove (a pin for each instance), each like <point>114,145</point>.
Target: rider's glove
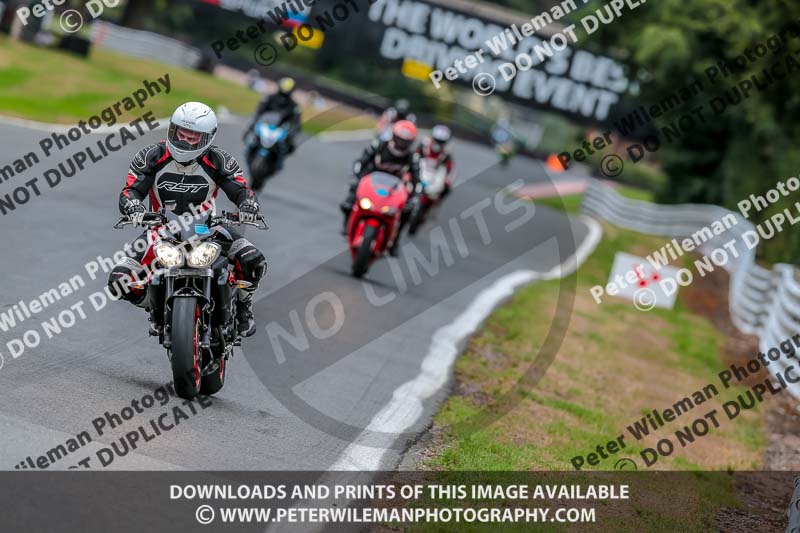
<point>249,211</point>
<point>135,211</point>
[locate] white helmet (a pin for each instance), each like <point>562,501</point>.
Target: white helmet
<point>440,136</point>
<point>192,129</point>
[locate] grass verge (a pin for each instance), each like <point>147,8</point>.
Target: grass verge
<point>572,203</point>
<point>53,86</point>
<point>615,365</point>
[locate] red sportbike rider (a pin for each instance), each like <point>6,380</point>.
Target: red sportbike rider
<point>395,156</point>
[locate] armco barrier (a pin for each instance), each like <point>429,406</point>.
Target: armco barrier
<point>762,302</point>
<point>144,44</point>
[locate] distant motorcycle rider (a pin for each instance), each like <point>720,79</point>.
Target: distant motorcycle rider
<point>401,110</point>
<point>395,156</point>
<point>282,103</point>
<point>188,171</point>
<point>435,147</point>
<point>502,131</point>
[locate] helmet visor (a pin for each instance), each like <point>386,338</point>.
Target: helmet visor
<point>401,145</point>
<point>189,140</point>
<point>441,134</point>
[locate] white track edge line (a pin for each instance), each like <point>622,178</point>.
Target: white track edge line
<point>405,408</point>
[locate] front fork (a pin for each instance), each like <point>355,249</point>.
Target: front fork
<point>383,238</point>
<point>162,307</point>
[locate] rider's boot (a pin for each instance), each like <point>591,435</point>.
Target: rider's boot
<point>155,328</point>
<point>245,322</point>
<point>156,310</point>
<point>347,207</point>
<point>346,219</point>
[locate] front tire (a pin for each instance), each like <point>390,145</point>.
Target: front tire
<point>364,253</point>
<point>261,169</point>
<point>186,357</point>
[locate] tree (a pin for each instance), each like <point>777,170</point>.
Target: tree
<point>752,143</point>
<point>137,13</point>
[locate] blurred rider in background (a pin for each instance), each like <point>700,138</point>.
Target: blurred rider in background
<point>281,102</point>
<point>435,148</point>
<point>401,110</point>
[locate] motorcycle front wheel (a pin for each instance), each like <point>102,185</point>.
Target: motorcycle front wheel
<point>364,253</point>
<point>186,355</point>
<point>260,170</point>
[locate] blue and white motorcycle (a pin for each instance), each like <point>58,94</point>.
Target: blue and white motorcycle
<point>266,148</point>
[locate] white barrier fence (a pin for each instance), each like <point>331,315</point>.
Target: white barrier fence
<point>144,44</point>
<point>762,302</point>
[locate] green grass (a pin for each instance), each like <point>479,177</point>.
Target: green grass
<point>336,119</point>
<point>691,498</point>
<point>697,345</point>
<point>568,204</point>
<point>516,329</point>
<point>572,202</point>
<point>54,86</point>
<point>582,400</point>
<point>636,194</point>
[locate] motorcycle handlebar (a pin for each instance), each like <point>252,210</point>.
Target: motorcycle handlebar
<point>148,220</point>
<point>233,218</point>
<point>153,219</point>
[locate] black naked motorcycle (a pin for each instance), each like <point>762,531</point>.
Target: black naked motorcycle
<point>191,296</point>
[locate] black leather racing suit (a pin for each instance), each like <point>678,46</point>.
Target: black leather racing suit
<point>154,174</point>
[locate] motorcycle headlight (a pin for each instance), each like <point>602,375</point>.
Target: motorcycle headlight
<point>365,203</point>
<point>203,255</point>
<point>170,256</point>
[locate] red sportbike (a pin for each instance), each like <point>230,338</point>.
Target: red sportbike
<point>374,221</point>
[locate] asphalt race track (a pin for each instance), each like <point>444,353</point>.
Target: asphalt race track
<point>283,420</point>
